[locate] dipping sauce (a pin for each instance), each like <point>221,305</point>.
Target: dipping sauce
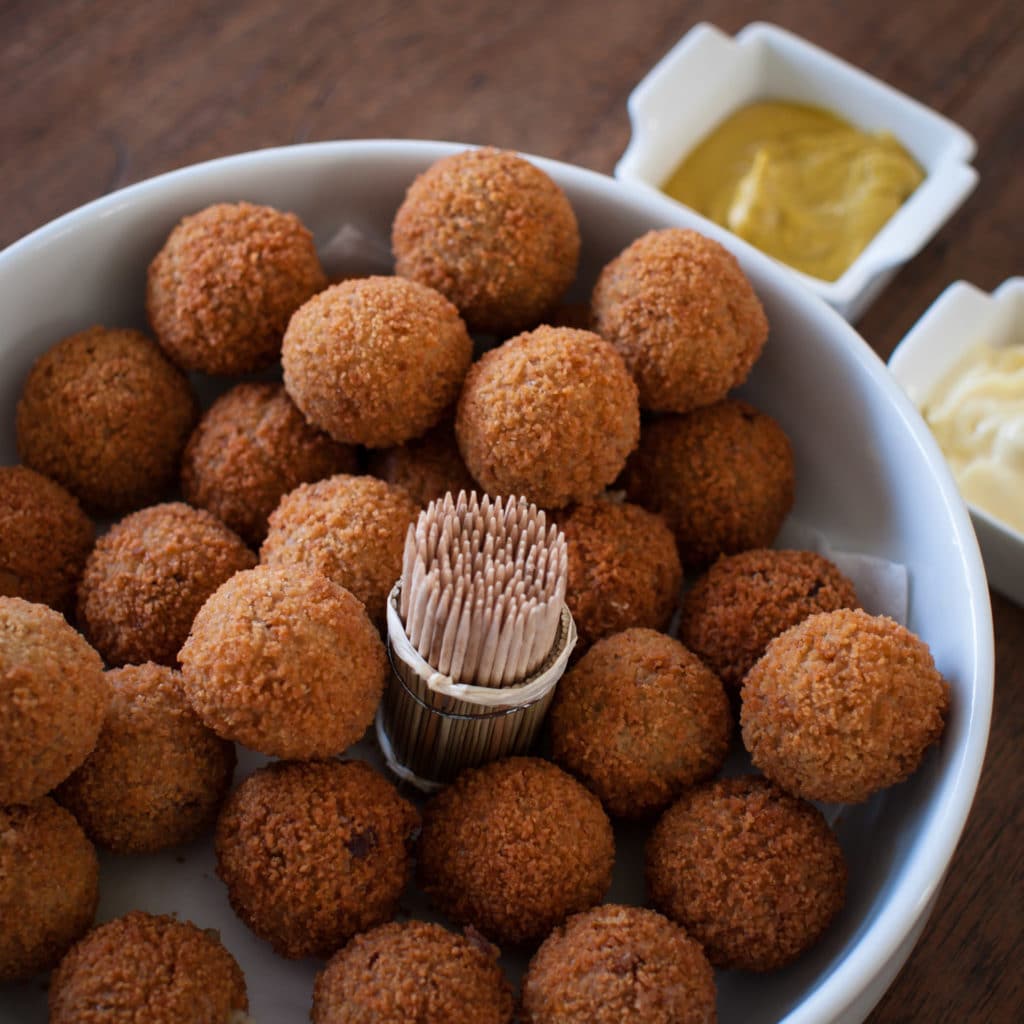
<point>800,183</point>
<point>977,416</point>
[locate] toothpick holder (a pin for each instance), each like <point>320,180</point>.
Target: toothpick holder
<point>431,728</point>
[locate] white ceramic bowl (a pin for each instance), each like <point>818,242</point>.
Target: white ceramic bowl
<point>708,75</point>
<point>867,468</point>
<point>960,318</point>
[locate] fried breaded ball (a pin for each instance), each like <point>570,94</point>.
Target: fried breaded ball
<point>551,415</point>
<point>492,232</point>
<point>148,967</point>
<point>107,416</point>
<point>842,705</point>
<point>49,879</point>
<point>157,775</point>
<point>376,360</point>
<point>683,315</point>
<point>619,965</point>
<point>428,467</point>
<point>514,847</point>
<point>52,700</point>
<point>220,292</point>
<point>149,575</point>
<point>251,447</point>
<point>746,600</point>
<point>45,538</point>
<point>413,971</point>
<point>350,528</point>
<point>722,476</point>
<point>637,719</point>
<point>286,662</point>
<point>314,852</point>
<point>753,874</point>
<point>624,568</point>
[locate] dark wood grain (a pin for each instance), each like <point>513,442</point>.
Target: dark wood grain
<point>102,93</point>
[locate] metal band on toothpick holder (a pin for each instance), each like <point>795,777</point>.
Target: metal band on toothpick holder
<point>432,728</point>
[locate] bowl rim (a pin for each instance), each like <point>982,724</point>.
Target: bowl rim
<point>838,990</point>
<point>911,227</point>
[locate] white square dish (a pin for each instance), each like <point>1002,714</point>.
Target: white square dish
<point>709,75</point>
<point>960,318</point>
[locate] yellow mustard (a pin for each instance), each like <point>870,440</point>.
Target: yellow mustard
<point>798,182</point>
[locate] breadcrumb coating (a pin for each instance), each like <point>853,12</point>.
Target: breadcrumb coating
<point>314,852</point>
<point>286,662</point>
<point>744,601</point>
<point>683,315</point>
<point>350,528</point>
<point>551,415</point>
<point>843,705</point>
<point>624,569</point>
<point>49,886</point>
<point>493,233</point>
<point>147,968</point>
<point>220,292</point>
<point>639,718</point>
<point>45,538</point>
<point>753,874</point>
<point>376,360</point>
<point>251,447</point>
<point>413,971</point>
<point>427,468</point>
<point>722,476</point>
<point>619,965</point>
<point>157,775</point>
<point>149,575</point>
<point>514,847</point>
<point>107,416</point>
<point>52,700</point>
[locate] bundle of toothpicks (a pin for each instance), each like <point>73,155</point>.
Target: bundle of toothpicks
<point>478,634</point>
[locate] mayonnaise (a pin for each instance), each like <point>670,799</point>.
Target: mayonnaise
<point>977,416</point>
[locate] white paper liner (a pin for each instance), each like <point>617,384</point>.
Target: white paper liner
<point>484,696</point>
<point>883,587</point>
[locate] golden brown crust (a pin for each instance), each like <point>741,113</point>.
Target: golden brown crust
<point>722,476</point>
<point>753,874</point>
<point>220,292</point>
<point>49,879</point>
<point>427,468</point>
<point>493,233</point>
<point>314,852</point>
<point>744,601</point>
<point>45,538</point>
<point>376,360</point>
<point>550,415</point>
<point>286,662</point>
<point>157,775</point>
<point>412,971</point>
<point>251,447</point>
<point>107,416</point>
<point>514,847</point>
<point>619,965</point>
<point>637,719</point>
<point>350,528</point>
<point>624,568</point>
<point>148,577</point>
<point>144,967</point>
<point>683,315</point>
<point>842,705</point>
<point>52,700</point>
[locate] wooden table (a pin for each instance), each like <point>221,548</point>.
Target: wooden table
<point>101,94</point>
